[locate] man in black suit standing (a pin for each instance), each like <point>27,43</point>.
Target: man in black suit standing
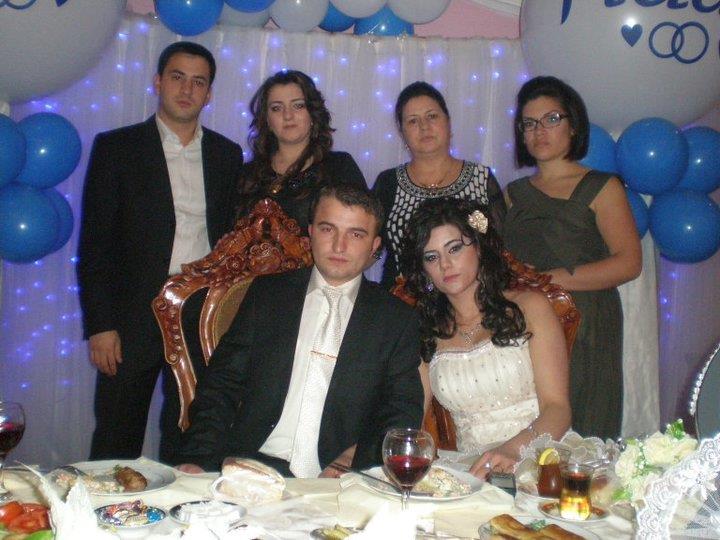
<point>318,363</point>
<point>157,194</point>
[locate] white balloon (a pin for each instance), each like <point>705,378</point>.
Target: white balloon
<point>359,8</point>
<point>46,46</point>
<point>418,11</point>
<point>628,61</point>
<point>256,19</point>
<point>298,15</point>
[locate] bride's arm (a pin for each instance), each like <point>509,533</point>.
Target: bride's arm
<point>548,353</point>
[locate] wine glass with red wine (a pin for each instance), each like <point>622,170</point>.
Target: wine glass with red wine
<point>12,427</point>
<point>407,454</point>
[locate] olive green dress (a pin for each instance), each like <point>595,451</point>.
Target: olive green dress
<point>557,233</point>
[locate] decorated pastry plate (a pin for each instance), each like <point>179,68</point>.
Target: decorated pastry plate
<point>485,531</point>
<point>440,484</point>
<point>552,510</point>
<point>102,482</point>
<point>130,515</point>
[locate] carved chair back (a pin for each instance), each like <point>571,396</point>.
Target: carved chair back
<point>266,241</point>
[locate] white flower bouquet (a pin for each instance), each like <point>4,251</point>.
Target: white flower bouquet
<point>643,461</point>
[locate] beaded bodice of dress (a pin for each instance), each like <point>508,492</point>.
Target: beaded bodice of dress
<point>488,390</point>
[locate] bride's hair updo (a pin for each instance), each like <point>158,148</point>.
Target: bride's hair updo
<point>501,316</point>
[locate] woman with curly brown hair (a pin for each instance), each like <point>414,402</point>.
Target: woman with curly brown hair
<point>291,139</point>
<point>495,358</point>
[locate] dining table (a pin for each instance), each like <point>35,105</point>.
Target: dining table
<point>309,504</point>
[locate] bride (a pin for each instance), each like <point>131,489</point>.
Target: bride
<point>495,358</point>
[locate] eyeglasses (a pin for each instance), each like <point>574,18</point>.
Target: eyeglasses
<point>549,121</point>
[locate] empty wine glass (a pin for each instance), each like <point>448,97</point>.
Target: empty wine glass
<point>407,454</point>
<point>12,427</point>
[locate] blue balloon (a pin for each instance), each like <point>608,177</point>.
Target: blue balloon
<point>383,23</point>
<point>601,152</point>
<point>249,6</point>
<point>685,225</point>
<point>335,20</point>
<point>703,171</point>
<point>652,155</point>
<point>639,211</point>
<point>65,216</point>
<point>189,17</point>
<point>12,150</point>
<point>28,223</point>
<point>53,149</point>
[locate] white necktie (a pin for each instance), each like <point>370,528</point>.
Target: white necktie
<point>304,461</point>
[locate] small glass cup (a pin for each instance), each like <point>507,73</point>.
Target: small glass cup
<point>549,482</point>
<point>575,494</point>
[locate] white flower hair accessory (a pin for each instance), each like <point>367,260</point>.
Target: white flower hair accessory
<point>478,221</point>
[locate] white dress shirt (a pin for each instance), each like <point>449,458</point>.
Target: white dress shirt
<point>280,442</point>
<point>187,182</point>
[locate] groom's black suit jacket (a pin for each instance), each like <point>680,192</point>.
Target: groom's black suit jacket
<point>375,384</point>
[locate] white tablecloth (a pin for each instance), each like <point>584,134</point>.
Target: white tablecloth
<point>324,502</point>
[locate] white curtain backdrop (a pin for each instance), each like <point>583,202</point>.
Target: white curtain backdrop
<point>43,358</point>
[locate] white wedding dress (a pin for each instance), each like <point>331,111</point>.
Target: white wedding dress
<point>488,390</point>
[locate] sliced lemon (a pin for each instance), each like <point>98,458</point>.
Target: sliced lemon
<point>549,456</point>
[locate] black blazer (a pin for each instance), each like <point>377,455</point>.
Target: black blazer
<point>128,225</point>
<point>375,384</point>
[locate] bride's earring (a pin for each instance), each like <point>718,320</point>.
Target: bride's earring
<point>430,287</point>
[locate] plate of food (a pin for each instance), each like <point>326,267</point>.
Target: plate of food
<point>112,477</point>
<point>440,484</point>
<point>519,527</point>
<point>552,510</point>
<point>129,516</point>
<point>207,510</point>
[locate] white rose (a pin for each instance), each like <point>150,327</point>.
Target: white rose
<point>665,451</point>
<point>638,485</point>
<point>625,466</point>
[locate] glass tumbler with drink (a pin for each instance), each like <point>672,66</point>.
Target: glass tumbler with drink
<point>549,480</point>
<point>407,455</point>
<point>12,427</point>
<point>575,495</point>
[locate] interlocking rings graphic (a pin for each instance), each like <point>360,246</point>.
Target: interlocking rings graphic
<point>17,4</point>
<point>677,42</point>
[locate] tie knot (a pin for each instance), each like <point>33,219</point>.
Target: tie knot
<point>333,296</point>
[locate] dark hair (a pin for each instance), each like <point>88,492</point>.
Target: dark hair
<point>501,316</point>
<point>186,47</point>
<point>417,89</point>
<point>570,101</point>
<point>264,143</point>
<point>351,195</point>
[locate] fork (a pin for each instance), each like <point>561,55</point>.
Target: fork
<point>345,468</point>
<point>74,470</point>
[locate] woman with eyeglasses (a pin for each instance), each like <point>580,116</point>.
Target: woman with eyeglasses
<point>576,225</point>
<point>291,139</point>
<point>424,122</point>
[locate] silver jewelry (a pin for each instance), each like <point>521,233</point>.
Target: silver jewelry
<point>430,286</point>
<point>487,465</point>
<point>532,430</point>
<point>478,221</point>
<point>470,334</point>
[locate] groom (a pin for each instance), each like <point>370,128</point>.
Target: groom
<point>318,363</point>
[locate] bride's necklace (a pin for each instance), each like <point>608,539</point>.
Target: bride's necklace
<point>469,335</point>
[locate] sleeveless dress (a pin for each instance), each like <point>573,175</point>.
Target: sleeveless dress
<point>557,233</point>
<point>488,390</point>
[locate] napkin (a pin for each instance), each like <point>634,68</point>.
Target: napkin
<point>74,518</point>
<point>387,524</point>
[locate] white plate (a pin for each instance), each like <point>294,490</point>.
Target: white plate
<point>485,531</point>
<point>474,482</point>
<point>157,476</point>
<point>552,510</point>
<point>236,510</point>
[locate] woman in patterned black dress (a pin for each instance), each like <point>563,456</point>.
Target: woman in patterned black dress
<point>424,123</point>
<point>291,139</point>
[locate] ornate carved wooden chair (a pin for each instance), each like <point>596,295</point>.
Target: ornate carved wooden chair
<point>264,242</point>
<point>438,421</point>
